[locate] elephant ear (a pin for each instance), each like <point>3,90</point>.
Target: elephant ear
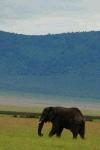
<point>52,113</point>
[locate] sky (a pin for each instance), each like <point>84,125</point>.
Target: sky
<point>49,16</point>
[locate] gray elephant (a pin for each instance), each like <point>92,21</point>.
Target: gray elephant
<point>60,117</point>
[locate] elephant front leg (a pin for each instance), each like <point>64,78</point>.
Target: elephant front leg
<point>56,130</point>
<point>53,131</point>
<point>59,131</point>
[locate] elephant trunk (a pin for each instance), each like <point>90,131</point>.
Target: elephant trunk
<point>40,126</point>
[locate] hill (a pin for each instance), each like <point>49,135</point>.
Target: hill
<point>59,64</point>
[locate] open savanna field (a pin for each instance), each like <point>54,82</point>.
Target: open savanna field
<point>21,134</point>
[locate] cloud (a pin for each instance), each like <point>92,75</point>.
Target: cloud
<point>49,16</point>
<point>13,9</point>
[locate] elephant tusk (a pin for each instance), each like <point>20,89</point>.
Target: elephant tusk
<point>39,122</point>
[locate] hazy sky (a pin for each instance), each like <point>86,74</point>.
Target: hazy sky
<point>49,16</point>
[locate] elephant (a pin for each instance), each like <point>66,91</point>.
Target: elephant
<point>61,117</point>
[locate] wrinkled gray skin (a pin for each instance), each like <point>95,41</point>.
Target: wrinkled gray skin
<point>60,117</point>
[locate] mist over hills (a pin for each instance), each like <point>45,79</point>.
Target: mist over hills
<point>65,64</point>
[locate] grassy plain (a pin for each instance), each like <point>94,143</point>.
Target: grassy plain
<point>21,134</point>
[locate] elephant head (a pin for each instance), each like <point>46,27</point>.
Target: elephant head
<point>48,114</point>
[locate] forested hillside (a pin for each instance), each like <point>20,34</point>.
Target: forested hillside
<point>63,64</point>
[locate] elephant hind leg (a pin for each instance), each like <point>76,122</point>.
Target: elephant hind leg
<point>82,130</point>
<point>81,133</point>
<point>75,132</point>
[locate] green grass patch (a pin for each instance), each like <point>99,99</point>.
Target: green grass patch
<point>21,134</point>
